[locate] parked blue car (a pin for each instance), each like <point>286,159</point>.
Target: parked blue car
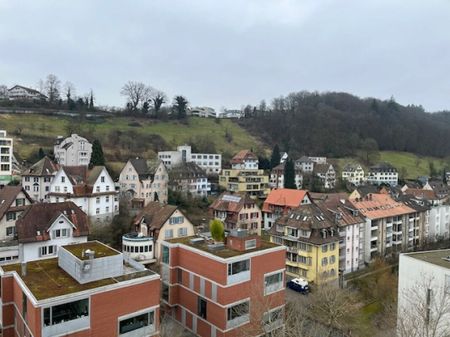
<point>299,284</point>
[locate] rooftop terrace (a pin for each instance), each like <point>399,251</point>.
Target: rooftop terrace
<point>225,252</point>
<point>438,257</point>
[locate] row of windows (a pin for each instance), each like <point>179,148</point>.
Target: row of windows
<point>168,234</point>
<point>331,260</point>
<point>332,246</point>
<point>137,249</point>
<point>204,156</point>
<point>36,179</point>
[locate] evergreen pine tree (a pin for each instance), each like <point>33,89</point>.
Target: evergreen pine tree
<point>289,174</point>
<point>41,153</point>
<point>97,157</point>
<point>276,157</point>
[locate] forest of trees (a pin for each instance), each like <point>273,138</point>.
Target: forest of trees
<point>339,124</point>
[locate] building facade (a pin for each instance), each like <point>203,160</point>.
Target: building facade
<point>383,173</point>
<point>312,243</point>
<point>237,211</point>
<point>92,190</point>
<point>90,300</point>
<point>353,173</point>
<point>72,151</point>
<point>326,175</point>
<point>19,92</point>
<point>189,178</point>
<point>6,158</point>
<point>277,177</point>
<point>144,181</point>
<point>279,202</point>
<point>237,290</point>
<point>37,179</point>
<point>210,162</point>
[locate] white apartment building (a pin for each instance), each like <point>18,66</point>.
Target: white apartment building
<point>6,158</point>
<point>91,190</point>
<point>326,175</point>
<point>383,173</point>
<point>203,111</point>
<point>304,164</point>
<point>210,162</point>
<point>439,222</point>
<point>424,293</point>
<point>37,179</point>
<point>19,92</point>
<point>318,160</point>
<point>72,151</point>
<point>353,173</point>
<point>144,181</point>
<point>189,178</point>
<point>245,160</point>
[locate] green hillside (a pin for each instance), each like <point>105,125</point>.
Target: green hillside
<point>123,137</point>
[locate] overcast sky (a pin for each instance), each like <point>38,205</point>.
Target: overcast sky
<point>227,53</point>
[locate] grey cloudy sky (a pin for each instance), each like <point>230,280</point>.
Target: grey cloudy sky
<point>231,52</point>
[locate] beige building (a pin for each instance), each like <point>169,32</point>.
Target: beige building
<point>72,151</point>
<point>37,179</point>
<point>353,173</point>
<point>237,211</point>
<point>162,222</point>
<point>244,176</point>
<point>144,181</point>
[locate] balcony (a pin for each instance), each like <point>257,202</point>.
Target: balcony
<point>65,328</point>
<point>292,249</point>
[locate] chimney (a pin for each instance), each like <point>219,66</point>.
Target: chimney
<point>24,269</point>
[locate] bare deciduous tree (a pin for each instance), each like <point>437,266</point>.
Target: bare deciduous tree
<point>136,93</point>
<point>169,328</point>
<point>69,91</point>
<point>52,88</point>
<point>424,311</point>
<point>158,99</point>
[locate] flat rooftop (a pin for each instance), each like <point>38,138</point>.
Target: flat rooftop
<point>223,253</point>
<point>433,256</point>
<point>45,279</point>
<point>100,249</point>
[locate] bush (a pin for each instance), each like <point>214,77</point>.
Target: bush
<point>217,230</point>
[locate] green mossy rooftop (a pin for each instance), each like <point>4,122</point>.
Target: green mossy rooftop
<point>223,253</point>
<point>45,279</point>
<point>100,249</point>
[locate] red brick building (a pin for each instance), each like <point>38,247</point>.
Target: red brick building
<point>87,291</point>
<point>236,289</point>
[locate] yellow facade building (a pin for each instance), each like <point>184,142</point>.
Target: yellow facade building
<point>312,242</point>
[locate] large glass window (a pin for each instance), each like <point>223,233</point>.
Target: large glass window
<point>136,322</point>
<point>237,311</point>
<point>165,254</point>
<point>66,312</point>
<point>238,267</point>
<point>273,282</point>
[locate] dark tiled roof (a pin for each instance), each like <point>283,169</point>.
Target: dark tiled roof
<point>415,203</point>
<point>7,196</point>
<point>351,167</point>
<point>383,167</point>
<point>337,207</point>
<point>43,167</point>
<point>304,159</point>
<point>39,217</point>
<point>27,89</point>
<point>186,171</point>
<point>145,168</point>
<point>321,168</point>
<point>231,202</point>
<point>155,215</point>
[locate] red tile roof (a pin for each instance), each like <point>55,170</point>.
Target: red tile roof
<point>376,206</point>
<point>284,197</point>
<point>242,156</point>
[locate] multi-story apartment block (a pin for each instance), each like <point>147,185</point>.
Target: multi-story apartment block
<point>154,224</point>
<point>203,111</point>
<point>304,164</point>
<point>391,226</point>
<point>92,190</point>
<point>72,151</point>
<point>80,293</point>
<point>326,175</point>
<point>318,160</point>
<point>189,178</point>
<point>13,201</point>
<point>353,173</point>
<point>277,177</point>
<point>37,179</point>
<point>144,181</point>
<point>312,242</point>
<point>6,158</point>
<point>279,202</point>
<point>236,289</point>
<point>351,226</point>
<point>210,162</point>
<point>383,173</point>
<point>244,176</point>
<point>423,293</point>
<point>237,211</point>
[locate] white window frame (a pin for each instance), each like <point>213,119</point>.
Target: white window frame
<point>275,287</point>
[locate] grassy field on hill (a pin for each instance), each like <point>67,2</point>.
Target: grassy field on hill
<point>123,137</point>
<point>413,165</point>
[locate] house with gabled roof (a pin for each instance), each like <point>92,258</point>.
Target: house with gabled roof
<point>277,177</point>
<point>155,223</point>
<point>44,227</point>
<point>353,173</point>
<point>37,179</point>
<point>189,178</point>
<point>92,190</point>
<point>19,92</point>
<point>143,181</point>
<point>326,175</point>
<point>237,211</point>
<point>73,150</point>
<point>280,201</point>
